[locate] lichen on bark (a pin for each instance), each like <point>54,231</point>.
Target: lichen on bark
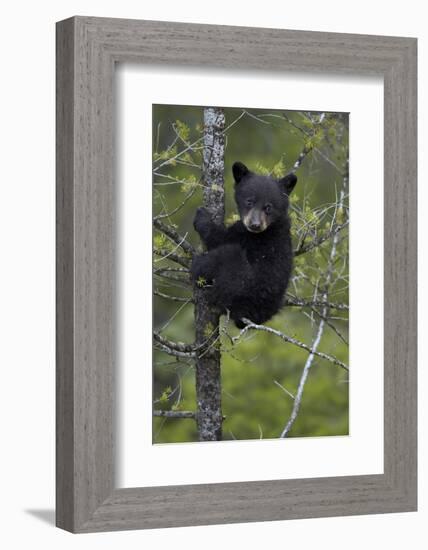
<point>208,370</point>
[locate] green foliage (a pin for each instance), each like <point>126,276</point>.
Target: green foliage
<point>161,241</point>
<point>278,170</point>
<point>165,395</point>
<point>166,155</point>
<point>232,218</point>
<point>261,169</point>
<point>189,183</point>
<point>201,282</point>
<point>182,129</point>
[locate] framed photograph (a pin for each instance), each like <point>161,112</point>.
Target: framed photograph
<point>236,274</point>
<point>244,267</point>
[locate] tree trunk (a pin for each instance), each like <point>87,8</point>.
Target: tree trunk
<point>208,374</point>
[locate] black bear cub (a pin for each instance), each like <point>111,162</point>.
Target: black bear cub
<point>247,266</point>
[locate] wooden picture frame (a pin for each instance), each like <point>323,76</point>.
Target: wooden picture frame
<point>87,50</point>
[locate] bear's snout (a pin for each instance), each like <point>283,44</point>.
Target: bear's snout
<point>255,221</point>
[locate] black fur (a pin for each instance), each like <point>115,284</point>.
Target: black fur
<point>247,266</point>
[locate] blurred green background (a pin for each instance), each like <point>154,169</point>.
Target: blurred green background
<point>253,401</point>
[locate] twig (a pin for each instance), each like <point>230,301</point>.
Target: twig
<point>175,414</point>
<point>300,159</point>
<point>174,352</point>
<point>316,149</point>
<point>173,298</point>
<point>168,278</point>
<point>163,270</point>
<point>306,248</point>
<point>182,260</point>
<point>170,232</point>
<point>330,324</point>
<point>178,208</point>
<point>183,305</point>
<point>178,155</point>
<point>299,394</point>
<point>234,122</point>
<point>284,389</point>
<point>253,326</point>
<point>298,302</point>
<point>174,348</point>
<point>317,340</point>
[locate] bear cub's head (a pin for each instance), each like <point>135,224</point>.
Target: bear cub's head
<point>262,200</point>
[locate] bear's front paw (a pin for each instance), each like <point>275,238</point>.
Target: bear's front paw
<point>202,218</point>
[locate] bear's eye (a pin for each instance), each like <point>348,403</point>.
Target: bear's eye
<point>249,203</point>
<point>268,208</point>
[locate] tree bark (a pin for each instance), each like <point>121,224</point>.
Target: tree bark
<point>208,374</point>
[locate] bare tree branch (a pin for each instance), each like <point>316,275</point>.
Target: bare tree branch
<point>298,302</point>
<point>168,270</point>
<point>207,365</point>
<point>283,389</point>
<point>317,339</point>
<point>299,394</point>
<point>175,353</point>
<point>300,159</point>
<point>253,326</point>
<point>302,249</point>
<point>169,161</point>
<point>167,277</point>
<point>175,414</point>
<point>331,325</point>
<point>170,232</point>
<point>179,349</point>
<point>306,133</point>
<point>176,209</point>
<point>177,258</point>
<point>170,297</point>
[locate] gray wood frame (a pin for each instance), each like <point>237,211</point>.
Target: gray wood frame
<point>87,50</point>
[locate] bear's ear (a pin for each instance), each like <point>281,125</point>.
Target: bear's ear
<point>239,171</point>
<point>287,183</point>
